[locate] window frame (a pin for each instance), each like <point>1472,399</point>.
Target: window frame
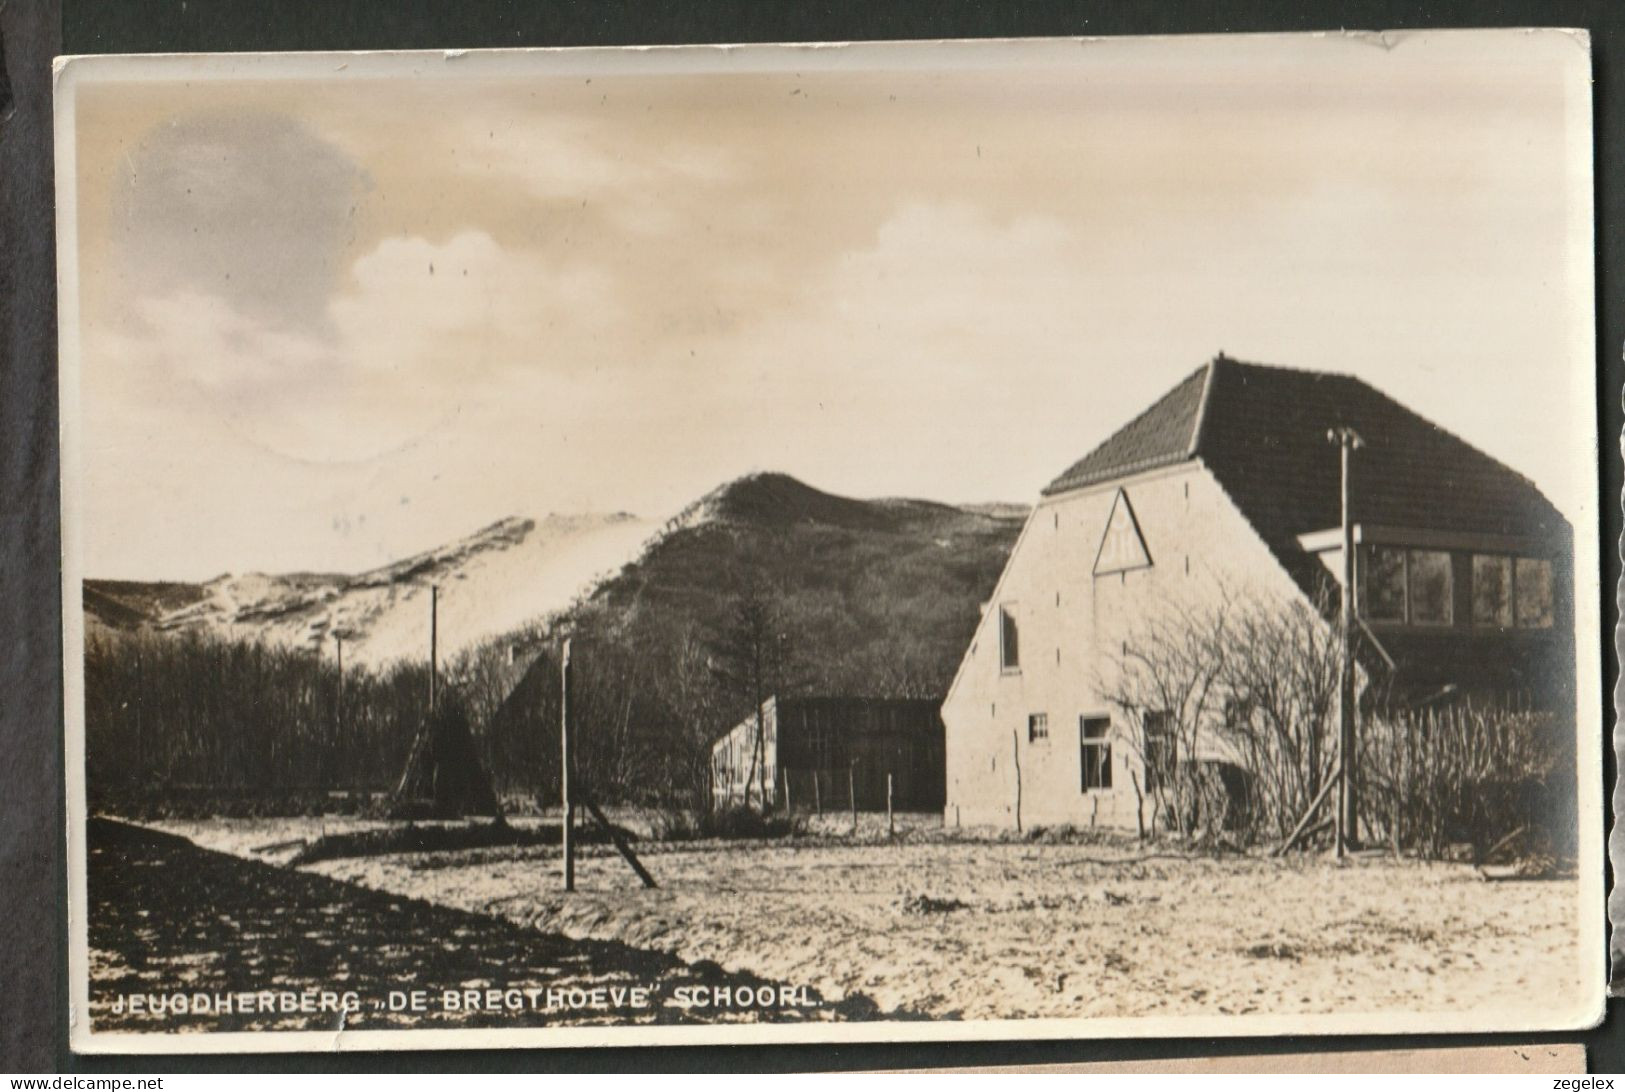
<point>1464,577</point>
<point>1100,747</point>
<point>1009,640</point>
<point>1364,589</point>
<point>1162,739</point>
<point>1449,618</point>
<point>1551,593</point>
<point>1037,727</point>
<point>1511,563</point>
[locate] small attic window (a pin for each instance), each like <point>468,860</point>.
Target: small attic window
<point>1009,640</point>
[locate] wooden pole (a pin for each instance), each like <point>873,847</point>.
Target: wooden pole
<point>567,808</point>
<point>852,793</point>
<point>1015,751</point>
<point>890,829</point>
<point>1347,819</point>
<point>338,714</point>
<point>336,753</point>
<point>1303,823</point>
<point>615,837</point>
<point>434,642</point>
<point>140,729</point>
<point>818,796</point>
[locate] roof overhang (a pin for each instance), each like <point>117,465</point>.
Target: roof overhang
<point>1148,470</point>
<point>1316,542</point>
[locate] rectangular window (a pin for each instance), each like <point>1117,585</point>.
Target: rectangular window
<point>1430,588</point>
<point>1382,587</point>
<point>1161,750</point>
<point>1534,591</point>
<point>1492,590</point>
<point>1096,751</point>
<point>1037,727</point>
<point>1009,641</point>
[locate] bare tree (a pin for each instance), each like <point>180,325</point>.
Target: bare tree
<point>699,708</point>
<point>1167,681</point>
<point>1246,684</point>
<point>753,660</point>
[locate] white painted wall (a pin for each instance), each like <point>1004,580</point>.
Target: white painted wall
<point>1072,623</point>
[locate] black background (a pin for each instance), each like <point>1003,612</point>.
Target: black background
<point>33,980</point>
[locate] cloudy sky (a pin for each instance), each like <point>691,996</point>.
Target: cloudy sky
<point>340,309</point>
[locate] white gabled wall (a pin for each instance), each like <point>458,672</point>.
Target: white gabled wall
<point>733,753</point>
<point>1072,625</point>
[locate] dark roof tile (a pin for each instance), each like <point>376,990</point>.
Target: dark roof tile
<point>1262,431</point>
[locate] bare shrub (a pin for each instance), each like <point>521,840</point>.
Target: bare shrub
<point>1255,682</point>
<point>687,825</point>
<point>1280,672</point>
<point>1465,774</point>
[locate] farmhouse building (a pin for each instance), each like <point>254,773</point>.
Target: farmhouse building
<point>1226,489</point>
<point>821,752</point>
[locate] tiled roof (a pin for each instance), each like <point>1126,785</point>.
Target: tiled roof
<point>1162,434</point>
<point>1262,431</point>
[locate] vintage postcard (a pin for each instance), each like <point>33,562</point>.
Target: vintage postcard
<point>835,542</point>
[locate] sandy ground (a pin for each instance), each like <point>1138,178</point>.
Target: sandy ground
<point>171,920</point>
<point>986,929</point>
<point>965,928</point>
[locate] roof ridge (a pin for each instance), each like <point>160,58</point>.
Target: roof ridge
<point>1201,406</point>
<point>1294,369</point>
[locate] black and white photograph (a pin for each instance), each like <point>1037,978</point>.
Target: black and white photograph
<point>1023,539</point>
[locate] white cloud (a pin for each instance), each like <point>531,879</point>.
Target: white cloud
<point>461,308</point>
<point>567,157</point>
<point>422,332</point>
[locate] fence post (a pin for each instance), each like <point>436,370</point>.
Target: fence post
<point>818,796</point>
<point>890,830</point>
<point>788,809</point>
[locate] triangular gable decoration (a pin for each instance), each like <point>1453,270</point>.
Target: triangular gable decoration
<point>1122,547</point>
